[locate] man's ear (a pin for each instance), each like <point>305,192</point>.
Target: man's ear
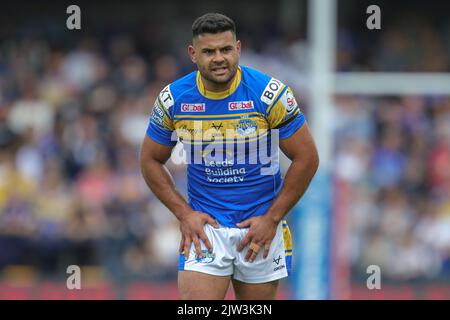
<point>238,46</point>
<point>191,52</point>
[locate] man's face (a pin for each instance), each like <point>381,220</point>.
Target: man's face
<point>217,56</point>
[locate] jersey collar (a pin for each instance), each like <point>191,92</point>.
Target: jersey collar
<point>222,94</point>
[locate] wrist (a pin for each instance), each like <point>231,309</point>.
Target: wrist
<point>273,218</point>
<point>182,213</point>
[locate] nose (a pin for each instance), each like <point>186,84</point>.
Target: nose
<point>218,57</point>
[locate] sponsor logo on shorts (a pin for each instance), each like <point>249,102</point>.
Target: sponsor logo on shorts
<point>240,105</point>
<point>277,262</point>
<point>279,268</point>
<point>208,257</point>
<point>193,107</point>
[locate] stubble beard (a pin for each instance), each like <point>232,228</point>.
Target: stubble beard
<point>208,75</point>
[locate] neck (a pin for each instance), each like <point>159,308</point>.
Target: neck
<point>217,87</point>
<point>213,90</point>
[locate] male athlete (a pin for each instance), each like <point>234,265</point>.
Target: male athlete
<point>224,114</point>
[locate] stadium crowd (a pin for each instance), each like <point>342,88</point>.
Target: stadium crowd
<point>70,189</point>
<point>393,154</point>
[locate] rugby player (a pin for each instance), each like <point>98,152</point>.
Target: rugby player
<point>233,226</point>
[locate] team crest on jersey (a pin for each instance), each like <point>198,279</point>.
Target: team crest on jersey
<point>193,107</point>
<point>240,105</point>
<point>246,127</point>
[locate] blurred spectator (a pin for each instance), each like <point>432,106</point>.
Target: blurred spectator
<point>400,195</point>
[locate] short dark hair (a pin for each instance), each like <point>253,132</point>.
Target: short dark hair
<point>212,23</point>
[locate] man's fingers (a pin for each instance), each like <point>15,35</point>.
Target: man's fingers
<point>187,248</point>
<point>253,256</point>
<point>180,249</point>
<point>243,243</point>
<point>266,249</point>
<point>212,222</point>
<point>249,254</point>
<point>198,249</point>
<point>206,242</point>
<point>245,223</point>
<point>253,251</point>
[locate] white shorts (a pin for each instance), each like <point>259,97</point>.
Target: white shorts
<point>225,260</point>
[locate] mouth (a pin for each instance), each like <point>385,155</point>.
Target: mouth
<point>219,70</point>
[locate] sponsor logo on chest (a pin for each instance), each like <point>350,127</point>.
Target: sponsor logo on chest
<point>193,107</point>
<point>240,105</point>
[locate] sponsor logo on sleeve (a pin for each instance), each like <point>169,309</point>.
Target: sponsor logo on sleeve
<point>270,92</point>
<point>166,97</point>
<point>289,101</point>
<point>158,114</point>
<point>240,105</point>
<point>193,107</point>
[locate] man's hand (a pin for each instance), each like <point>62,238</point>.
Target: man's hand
<point>262,231</point>
<point>191,226</point>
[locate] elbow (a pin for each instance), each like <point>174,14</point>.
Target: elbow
<point>314,161</point>
<point>309,162</point>
<point>142,161</point>
<point>146,162</point>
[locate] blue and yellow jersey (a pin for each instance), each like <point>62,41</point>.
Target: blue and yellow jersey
<point>232,150</point>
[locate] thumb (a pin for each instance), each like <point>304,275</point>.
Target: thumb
<point>245,223</point>
<point>212,222</point>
